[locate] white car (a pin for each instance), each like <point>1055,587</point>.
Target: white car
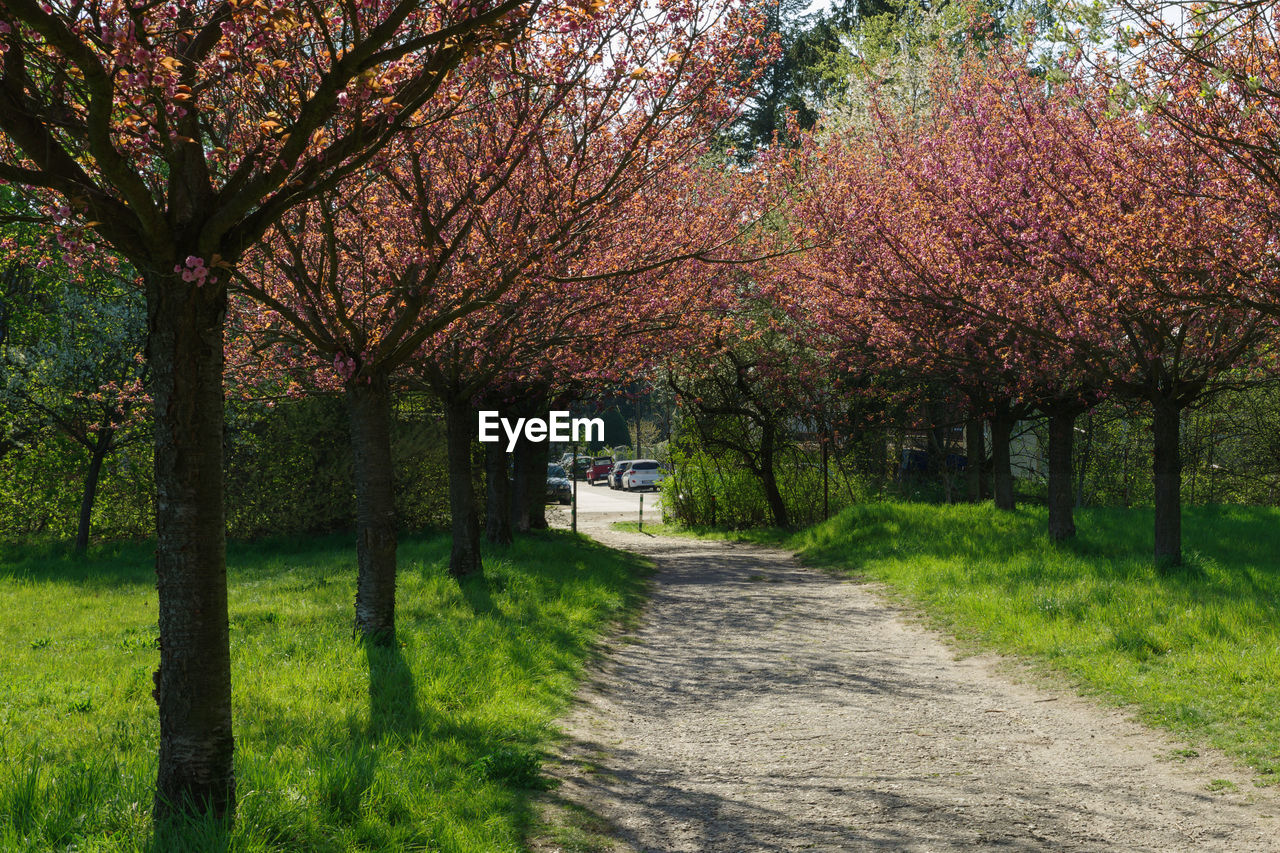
<point>642,474</point>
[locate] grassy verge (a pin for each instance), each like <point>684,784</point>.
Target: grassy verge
<point>1196,649</point>
<point>433,745</point>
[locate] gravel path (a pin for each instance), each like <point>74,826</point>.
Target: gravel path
<point>761,706</point>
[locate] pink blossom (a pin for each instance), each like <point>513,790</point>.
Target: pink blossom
<point>195,271</point>
<point>344,365</point>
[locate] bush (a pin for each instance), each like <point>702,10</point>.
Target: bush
<point>718,491</point>
<point>288,471</point>
<point>41,486</point>
<point>289,468</point>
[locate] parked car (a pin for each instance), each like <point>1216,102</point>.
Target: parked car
<point>579,467</point>
<point>599,470</point>
<point>642,474</point>
<point>615,475</point>
<point>558,486</point>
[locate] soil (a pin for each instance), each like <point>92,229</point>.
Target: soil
<point>763,706</point>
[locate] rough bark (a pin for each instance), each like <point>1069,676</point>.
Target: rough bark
<point>193,684</point>
<point>101,450</point>
<point>1062,426</point>
<point>369,410</point>
<point>497,515</point>
<point>1002,467</point>
<point>1168,484</point>
<point>464,558</point>
<point>975,458</point>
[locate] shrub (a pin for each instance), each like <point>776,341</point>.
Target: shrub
<point>717,491</point>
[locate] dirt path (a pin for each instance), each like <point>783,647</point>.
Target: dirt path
<point>761,706</point>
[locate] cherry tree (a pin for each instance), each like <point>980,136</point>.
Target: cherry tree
<point>1072,227</point>
<point>530,201</point>
<point>178,133</point>
<point>1210,74</point>
<point>1210,70</point>
<point>548,338</point>
<point>888,284</point>
<point>1135,224</point>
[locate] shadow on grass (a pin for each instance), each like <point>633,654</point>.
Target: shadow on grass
<point>111,564</point>
<point>869,531</point>
<point>456,727</point>
<point>393,696</point>
<point>477,591</point>
<point>108,565</point>
<point>344,780</point>
<point>196,832</point>
<point>351,776</point>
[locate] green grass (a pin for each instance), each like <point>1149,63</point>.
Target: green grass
<point>1195,649</point>
<point>435,744</point>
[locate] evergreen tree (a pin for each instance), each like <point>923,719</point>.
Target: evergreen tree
<point>616,431</point>
<point>798,82</point>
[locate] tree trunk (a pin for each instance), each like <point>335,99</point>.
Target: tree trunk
<point>1002,468</point>
<point>101,449</point>
<point>369,409</point>
<point>769,479</point>
<point>464,517</point>
<point>497,514</point>
<point>975,458</point>
<point>899,455</point>
<point>1168,484</point>
<point>193,684</point>
<point>1062,426</point>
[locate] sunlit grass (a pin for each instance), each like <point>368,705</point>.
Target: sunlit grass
<point>434,744</point>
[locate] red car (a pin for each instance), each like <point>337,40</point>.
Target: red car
<point>599,470</point>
